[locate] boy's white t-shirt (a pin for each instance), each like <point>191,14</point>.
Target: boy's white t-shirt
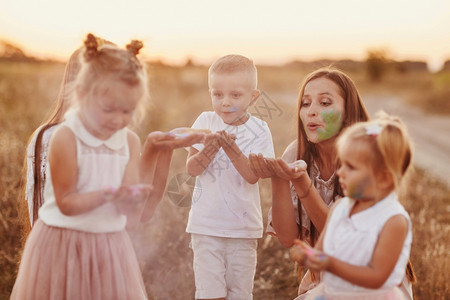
<point>223,203</point>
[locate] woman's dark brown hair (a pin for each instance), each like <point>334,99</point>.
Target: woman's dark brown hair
<point>354,111</point>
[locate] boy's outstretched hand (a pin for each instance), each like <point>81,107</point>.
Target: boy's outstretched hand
<point>312,258</point>
<point>226,140</point>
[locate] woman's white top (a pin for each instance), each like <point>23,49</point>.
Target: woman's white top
<point>352,239</point>
<point>101,163</point>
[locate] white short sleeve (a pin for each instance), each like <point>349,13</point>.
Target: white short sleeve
<point>203,122</point>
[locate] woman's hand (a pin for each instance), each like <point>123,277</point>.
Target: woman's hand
<point>309,257</point>
<point>298,253</point>
<point>259,166</point>
<point>284,170</point>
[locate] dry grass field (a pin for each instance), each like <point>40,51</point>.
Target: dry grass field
<point>179,94</point>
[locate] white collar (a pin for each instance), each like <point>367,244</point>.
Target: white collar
<point>364,219</point>
<point>115,142</point>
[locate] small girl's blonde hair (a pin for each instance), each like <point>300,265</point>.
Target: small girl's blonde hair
<point>389,147</point>
<point>102,61</point>
<point>388,142</point>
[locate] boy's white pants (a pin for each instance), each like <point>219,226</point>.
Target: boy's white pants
<point>223,267</point>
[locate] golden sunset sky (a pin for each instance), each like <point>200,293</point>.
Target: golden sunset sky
<point>267,31</point>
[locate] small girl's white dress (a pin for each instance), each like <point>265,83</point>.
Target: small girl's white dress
<point>87,256</point>
<point>353,239</point>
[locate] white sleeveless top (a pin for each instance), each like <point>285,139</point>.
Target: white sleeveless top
<point>101,163</point>
<point>353,239</point>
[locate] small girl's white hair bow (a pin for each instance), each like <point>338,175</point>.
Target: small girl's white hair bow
<point>373,129</point>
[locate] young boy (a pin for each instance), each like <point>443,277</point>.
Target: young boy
<point>225,218</point>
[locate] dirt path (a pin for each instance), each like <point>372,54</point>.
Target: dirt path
<point>430,133</point>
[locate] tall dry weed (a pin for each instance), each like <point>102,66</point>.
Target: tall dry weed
<point>27,92</point>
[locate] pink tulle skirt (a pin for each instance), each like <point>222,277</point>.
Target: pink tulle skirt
<point>59,263</point>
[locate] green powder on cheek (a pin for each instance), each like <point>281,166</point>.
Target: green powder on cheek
<point>333,123</point>
<point>357,191</point>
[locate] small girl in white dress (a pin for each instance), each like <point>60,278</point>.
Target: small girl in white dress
<point>97,183</point>
<point>365,246</point>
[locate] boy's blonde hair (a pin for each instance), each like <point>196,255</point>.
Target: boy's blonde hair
<point>234,63</point>
<point>386,143</point>
<point>104,61</point>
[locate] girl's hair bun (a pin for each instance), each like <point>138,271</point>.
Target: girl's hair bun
<point>91,46</point>
<point>134,46</point>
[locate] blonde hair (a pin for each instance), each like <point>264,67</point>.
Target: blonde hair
<point>64,102</point>
<point>234,63</point>
<point>388,147</point>
<point>103,61</point>
<point>386,142</point>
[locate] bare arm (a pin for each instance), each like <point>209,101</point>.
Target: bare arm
<point>309,197</point>
<point>155,159</point>
<point>283,212</point>
<point>299,252</point>
<point>385,256</point>
<point>133,202</point>
<point>131,175</point>
<point>198,161</point>
<point>313,203</point>
<point>374,275</point>
<point>159,183</point>
<point>237,158</point>
<point>64,170</point>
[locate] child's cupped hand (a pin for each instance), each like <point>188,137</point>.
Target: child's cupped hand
<point>128,199</point>
<point>309,257</point>
<point>212,141</point>
<point>226,140</point>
